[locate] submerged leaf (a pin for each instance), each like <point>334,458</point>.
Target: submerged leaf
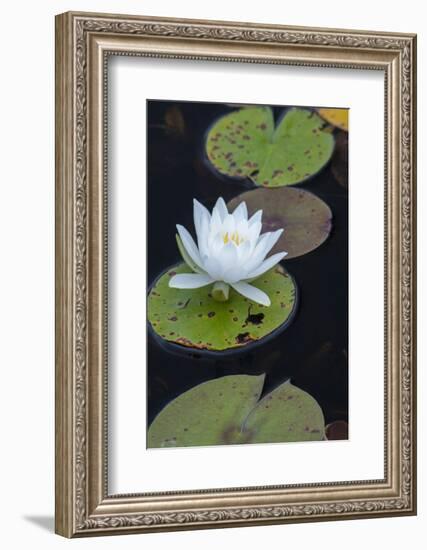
<point>174,121</point>
<point>228,411</point>
<point>339,163</point>
<point>337,430</point>
<point>246,144</point>
<point>192,318</point>
<point>306,219</point>
<point>336,117</point>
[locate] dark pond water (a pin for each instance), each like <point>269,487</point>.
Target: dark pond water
<point>312,351</point>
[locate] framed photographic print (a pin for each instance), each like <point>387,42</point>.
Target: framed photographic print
<point>235,274</point>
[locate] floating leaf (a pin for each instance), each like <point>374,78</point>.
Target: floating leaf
<point>240,105</point>
<point>285,414</point>
<point>245,144</point>
<point>192,318</point>
<point>336,117</point>
<point>339,163</point>
<point>208,414</point>
<point>337,430</point>
<point>227,410</point>
<point>306,219</point>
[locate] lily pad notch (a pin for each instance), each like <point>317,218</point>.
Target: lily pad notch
<point>193,322</point>
<point>246,144</point>
<point>229,410</point>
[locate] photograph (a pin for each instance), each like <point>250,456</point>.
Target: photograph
<point>247,269</point>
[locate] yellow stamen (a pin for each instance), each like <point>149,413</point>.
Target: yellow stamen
<point>235,237</point>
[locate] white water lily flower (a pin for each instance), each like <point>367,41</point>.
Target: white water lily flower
<point>230,252</point>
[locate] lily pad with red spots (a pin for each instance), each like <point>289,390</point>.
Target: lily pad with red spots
<point>246,144</point>
<point>229,410</point>
<point>190,319</point>
<point>306,219</point>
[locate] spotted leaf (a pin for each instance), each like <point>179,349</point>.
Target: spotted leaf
<point>246,144</point>
<point>191,318</point>
<point>229,410</point>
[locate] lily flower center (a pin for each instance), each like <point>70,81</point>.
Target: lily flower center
<point>235,237</point>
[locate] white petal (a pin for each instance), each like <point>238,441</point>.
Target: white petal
<point>263,247</point>
<point>233,275</point>
<point>243,252</point>
<point>221,208</point>
<point>216,221</point>
<point>203,236</point>
<point>273,238</point>
<point>266,265</point>
<point>213,267</point>
<point>251,292</point>
<point>189,245</point>
<point>228,224</point>
<point>215,245</point>
<point>256,217</point>
<point>259,253</point>
<point>263,238</point>
<point>200,213</point>
<point>241,212</point>
<point>242,228</point>
<point>189,280</point>
<point>254,230</point>
<point>228,256</point>
<point>186,257</point>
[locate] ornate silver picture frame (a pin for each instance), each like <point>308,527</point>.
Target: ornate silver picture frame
<point>84,42</point>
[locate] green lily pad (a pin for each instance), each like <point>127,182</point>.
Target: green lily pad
<point>228,411</point>
<point>306,219</point>
<point>193,319</point>
<point>245,144</point>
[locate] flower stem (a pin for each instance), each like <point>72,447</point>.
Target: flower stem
<point>220,291</point>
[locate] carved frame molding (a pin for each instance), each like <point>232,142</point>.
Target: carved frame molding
<point>83,44</point>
